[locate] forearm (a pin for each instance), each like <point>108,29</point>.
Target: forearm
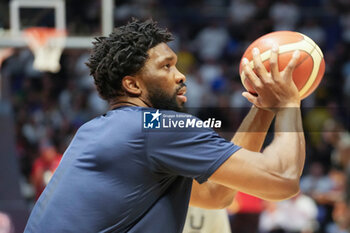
<point>250,135</point>
<point>252,132</point>
<point>273,174</point>
<point>288,134</point>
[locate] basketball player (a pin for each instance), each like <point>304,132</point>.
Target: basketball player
<point>118,177</point>
<point>201,220</point>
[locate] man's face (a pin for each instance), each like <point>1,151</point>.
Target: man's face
<point>164,84</point>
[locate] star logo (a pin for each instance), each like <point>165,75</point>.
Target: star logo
<point>156,115</point>
<point>151,120</point>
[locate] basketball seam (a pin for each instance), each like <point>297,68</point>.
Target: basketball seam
<point>314,46</point>
<point>305,58</point>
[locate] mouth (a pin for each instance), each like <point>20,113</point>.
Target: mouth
<point>181,94</point>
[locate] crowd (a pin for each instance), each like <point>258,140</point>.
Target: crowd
<point>210,38</point>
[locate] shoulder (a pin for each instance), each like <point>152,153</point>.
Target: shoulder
<point>112,129</point>
<point>121,117</point>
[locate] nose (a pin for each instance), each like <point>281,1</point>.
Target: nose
<point>179,77</point>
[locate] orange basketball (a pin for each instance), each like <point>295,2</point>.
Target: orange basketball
<point>310,67</point>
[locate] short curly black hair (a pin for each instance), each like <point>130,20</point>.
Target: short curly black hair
<point>123,52</point>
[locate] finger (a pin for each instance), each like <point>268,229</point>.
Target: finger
<point>274,62</point>
<point>258,65</point>
<point>249,73</point>
<point>291,65</point>
<point>251,98</point>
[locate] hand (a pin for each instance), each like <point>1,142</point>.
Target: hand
<point>275,89</point>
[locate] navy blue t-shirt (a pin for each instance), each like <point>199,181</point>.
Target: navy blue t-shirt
<point>118,177</point>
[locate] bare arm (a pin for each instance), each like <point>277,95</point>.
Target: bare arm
<point>250,135</point>
<point>252,132</point>
<point>273,174</point>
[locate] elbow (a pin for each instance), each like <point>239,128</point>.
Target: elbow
<point>281,189</point>
<point>293,189</point>
<point>222,197</point>
<point>289,189</point>
<point>223,201</point>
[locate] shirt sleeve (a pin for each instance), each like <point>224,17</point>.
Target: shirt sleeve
<point>196,154</point>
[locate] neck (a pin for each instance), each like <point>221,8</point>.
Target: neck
<point>127,101</point>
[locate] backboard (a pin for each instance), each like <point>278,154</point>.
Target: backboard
<point>53,13</point>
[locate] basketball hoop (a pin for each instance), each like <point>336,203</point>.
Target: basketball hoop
<point>47,45</point>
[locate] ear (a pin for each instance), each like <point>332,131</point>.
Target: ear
<point>131,85</point>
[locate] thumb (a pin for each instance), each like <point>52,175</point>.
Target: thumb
<point>251,98</point>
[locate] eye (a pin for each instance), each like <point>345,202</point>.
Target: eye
<point>166,66</point>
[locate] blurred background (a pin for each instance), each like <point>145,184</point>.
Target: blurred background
<point>40,111</point>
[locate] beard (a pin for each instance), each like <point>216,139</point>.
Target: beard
<point>161,100</point>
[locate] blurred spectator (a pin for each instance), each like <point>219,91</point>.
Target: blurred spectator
<point>335,134</point>
<point>236,99</point>
<point>295,215</point>
<point>245,213</point>
<point>81,72</point>
<point>134,8</point>
<point>339,138</point>
<point>211,41</point>
<point>197,90</point>
<point>335,193</point>
<point>200,220</point>
<point>44,167</point>
<point>66,97</point>
<point>186,60</point>
<point>96,104</point>
<point>285,15</point>
<point>316,181</point>
<point>341,217</point>
<point>313,123</point>
<point>312,28</point>
<point>209,71</point>
<point>325,189</point>
<point>242,11</point>
<point>345,22</point>
<point>6,224</point>
<point>346,86</point>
